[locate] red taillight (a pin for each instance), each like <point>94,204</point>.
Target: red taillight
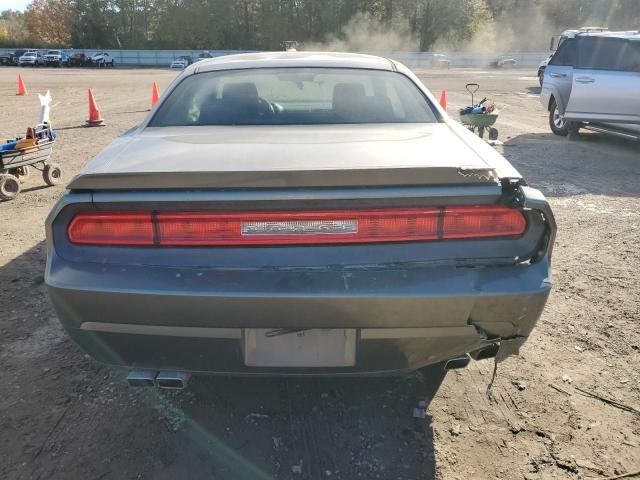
<point>294,227</point>
<point>480,222</point>
<point>112,228</point>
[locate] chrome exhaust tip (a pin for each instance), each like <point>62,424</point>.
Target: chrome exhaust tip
<point>486,352</point>
<point>141,378</point>
<point>172,380</point>
<point>458,362</point>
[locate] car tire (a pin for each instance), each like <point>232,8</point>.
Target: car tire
<point>557,123</point>
<point>573,130</point>
<point>52,174</point>
<point>9,187</point>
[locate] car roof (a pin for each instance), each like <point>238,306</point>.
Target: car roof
<point>627,35</point>
<point>295,59</point>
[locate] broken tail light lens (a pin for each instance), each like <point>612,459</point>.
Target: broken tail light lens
<point>294,227</point>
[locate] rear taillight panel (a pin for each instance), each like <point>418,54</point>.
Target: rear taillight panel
<point>187,228</point>
<point>112,228</point>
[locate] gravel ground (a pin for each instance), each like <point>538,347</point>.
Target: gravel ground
<point>64,416</point>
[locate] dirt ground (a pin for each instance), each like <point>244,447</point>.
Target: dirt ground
<point>62,416</point>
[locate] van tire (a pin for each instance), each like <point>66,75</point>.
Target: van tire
<point>557,123</point>
<point>574,130</point>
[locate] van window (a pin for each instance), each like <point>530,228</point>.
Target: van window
<point>599,53</point>
<point>631,57</point>
<point>566,54</point>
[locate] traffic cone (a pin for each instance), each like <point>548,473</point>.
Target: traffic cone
<point>95,119</point>
<point>154,94</point>
<point>443,100</point>
<point>22,90</point>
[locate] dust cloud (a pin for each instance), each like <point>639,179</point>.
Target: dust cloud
<point>526,30</point>
<point>364,33</point>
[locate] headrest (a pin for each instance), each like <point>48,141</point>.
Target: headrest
<point>348,91</point>
<point>245,90</point>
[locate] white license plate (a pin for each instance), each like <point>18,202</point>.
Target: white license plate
<point>268,347</point>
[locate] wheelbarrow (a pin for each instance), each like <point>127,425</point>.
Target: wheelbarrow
<point>15,167</point>
<point>479,121</point>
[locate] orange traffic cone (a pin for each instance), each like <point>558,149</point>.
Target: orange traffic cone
<point>443,100</point>
<point>154,94</point>
<point>22,90</point>
<point>95,119</point>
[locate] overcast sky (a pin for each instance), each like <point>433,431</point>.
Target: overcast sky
<point>13,4</point>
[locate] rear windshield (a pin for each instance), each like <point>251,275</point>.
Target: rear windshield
<point>285,96</point>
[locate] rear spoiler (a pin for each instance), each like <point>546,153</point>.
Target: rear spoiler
<point>429,176</point>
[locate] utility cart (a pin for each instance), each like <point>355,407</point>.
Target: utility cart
<point>16,162</point>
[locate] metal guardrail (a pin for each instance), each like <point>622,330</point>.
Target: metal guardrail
<point>162,58</point>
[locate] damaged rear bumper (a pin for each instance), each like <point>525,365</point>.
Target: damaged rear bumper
<point>196,319</point>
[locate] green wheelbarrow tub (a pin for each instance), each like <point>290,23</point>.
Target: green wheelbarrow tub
<point>479,119</point>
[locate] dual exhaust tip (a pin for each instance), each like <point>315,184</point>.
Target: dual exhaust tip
<point>172,380</point>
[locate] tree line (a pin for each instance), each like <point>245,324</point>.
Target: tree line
<point>337,24</point>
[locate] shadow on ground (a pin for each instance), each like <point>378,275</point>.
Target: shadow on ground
<point>66,417</point>
<point>595,163</point>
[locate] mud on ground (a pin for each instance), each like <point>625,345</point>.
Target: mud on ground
<point>64,416</point>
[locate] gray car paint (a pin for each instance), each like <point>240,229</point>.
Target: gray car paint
<point>413,304</point>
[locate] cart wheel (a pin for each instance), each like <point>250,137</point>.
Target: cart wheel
<point>21,172</point>
<point>9,187</point>
<point>493,134</point>
<point>52,174</point>
<point>481,132</point>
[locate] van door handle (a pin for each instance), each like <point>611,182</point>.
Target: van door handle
<point>585,80</point>
<point>558,75</point>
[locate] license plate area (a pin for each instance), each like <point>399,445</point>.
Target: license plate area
<point>268,347</point>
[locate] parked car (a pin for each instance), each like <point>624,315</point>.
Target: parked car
<point>593,81</point>
<point>290,45</point>
<point>31,57</point>
<point>5,58</point>
<point>298,213</point>
<point>204,56</point>
<point>505,61</point>
<point>11,58</point>
<point>102,59</point>
<point>17,54</point>
<point>79,60</point>
<point>440,60</point>
<point>557,40</point>
<point>181,63</point>
<point>57,58</point>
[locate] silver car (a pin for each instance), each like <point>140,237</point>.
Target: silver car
<point>593,81</point>
<point>298,213</point>
<point>31,57</point>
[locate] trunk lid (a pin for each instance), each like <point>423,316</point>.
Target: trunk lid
<point>289,157</point>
